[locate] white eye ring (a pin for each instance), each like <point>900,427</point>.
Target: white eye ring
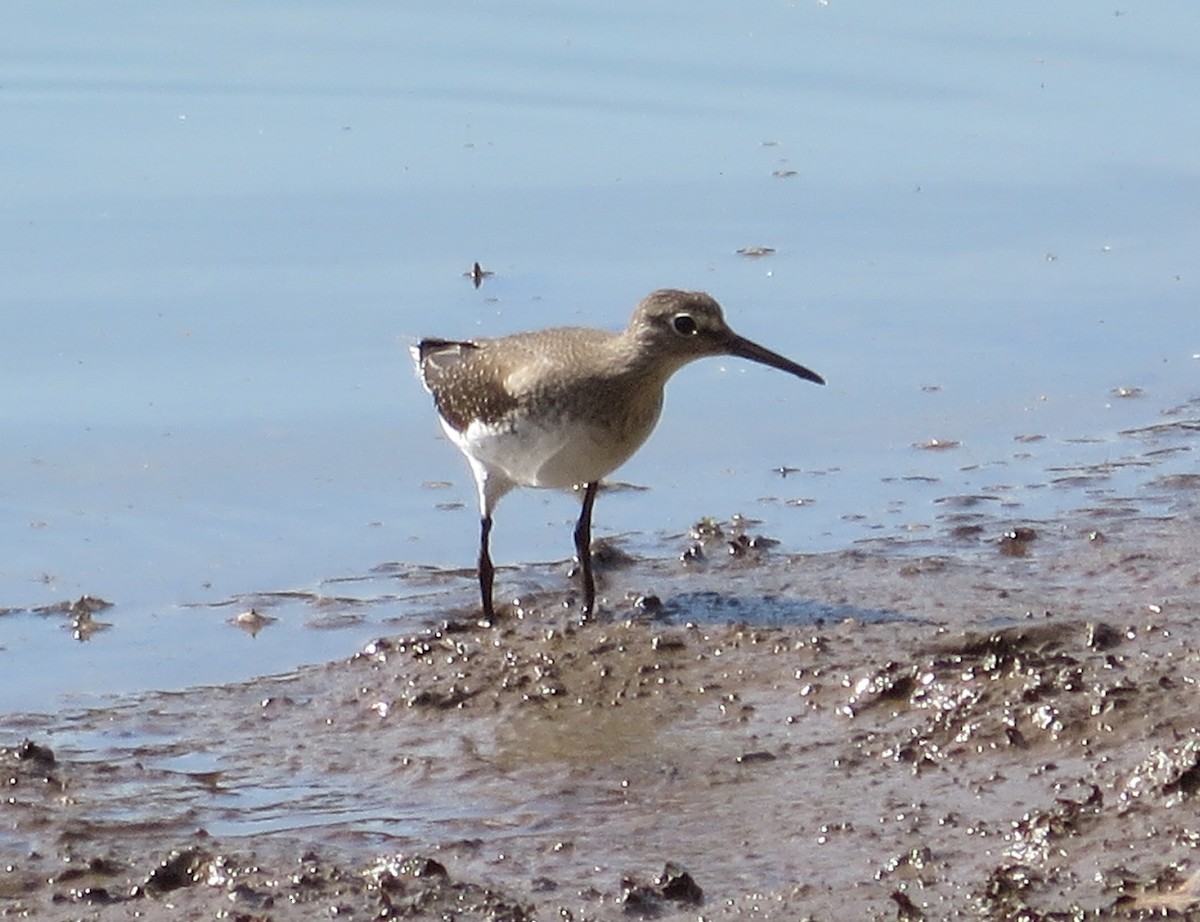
<point>684,325</point>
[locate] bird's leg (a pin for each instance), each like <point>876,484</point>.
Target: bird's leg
<point>583,547</point>
<point>486,571</point>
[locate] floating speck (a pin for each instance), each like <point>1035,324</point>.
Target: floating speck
<point>1127,392</point>
<point>477,274</point>
<point>937,444</point>
<point>252,621</point>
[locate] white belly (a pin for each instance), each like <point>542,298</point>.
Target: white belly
<point>546,456</point>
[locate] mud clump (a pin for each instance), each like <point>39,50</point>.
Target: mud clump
<point>650,900</point>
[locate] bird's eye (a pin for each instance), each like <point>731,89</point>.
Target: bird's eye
<point>684,324</point>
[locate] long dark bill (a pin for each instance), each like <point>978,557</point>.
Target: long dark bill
<point>745,349</point>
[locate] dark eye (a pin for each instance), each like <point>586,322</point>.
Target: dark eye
<point>685,324</point>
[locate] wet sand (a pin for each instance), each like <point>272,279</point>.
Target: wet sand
<point>1004,731</point>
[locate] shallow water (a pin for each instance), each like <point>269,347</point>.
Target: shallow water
<point>223,227</point>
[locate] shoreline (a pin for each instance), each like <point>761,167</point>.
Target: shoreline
<point>1010,734</point>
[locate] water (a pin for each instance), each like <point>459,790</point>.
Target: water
<point>222,226</point>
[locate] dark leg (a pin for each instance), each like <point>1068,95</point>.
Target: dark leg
<point>486,571</point>
<point>583,547</point>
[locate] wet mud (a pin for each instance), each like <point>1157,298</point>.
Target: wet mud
<point>1003,731</point>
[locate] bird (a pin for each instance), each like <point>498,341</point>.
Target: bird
<point>564,407</point>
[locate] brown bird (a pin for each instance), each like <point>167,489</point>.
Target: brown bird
<point>567,406</point>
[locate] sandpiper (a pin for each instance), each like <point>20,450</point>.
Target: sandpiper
<point>565,407</point>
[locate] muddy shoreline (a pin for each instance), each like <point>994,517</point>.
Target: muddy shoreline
<point>1000,735</point>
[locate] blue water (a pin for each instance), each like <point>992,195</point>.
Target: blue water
<point>223,225</point>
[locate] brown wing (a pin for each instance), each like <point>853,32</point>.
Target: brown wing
<point>465,385</point>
